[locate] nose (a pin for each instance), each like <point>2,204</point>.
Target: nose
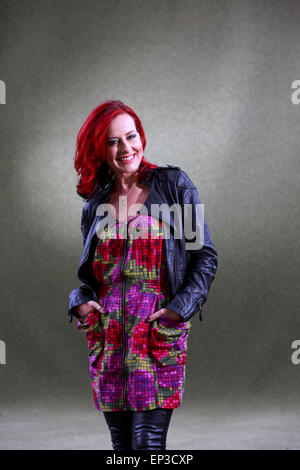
<point>124,146</point>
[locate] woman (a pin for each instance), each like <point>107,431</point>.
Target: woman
<point>142,279</point>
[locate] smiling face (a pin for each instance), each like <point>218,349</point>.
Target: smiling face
<point>124,146</point>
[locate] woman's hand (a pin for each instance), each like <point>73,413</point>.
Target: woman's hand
<point>166,312</point>
<point>83,309</point>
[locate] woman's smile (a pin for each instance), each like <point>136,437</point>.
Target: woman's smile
<point>127,159</point>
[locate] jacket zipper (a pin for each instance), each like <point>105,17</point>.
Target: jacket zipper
<point>176,283</point>
<point>123,323</point>
<point>175,261</point>
<point>200,307</point>
<point>88,254</point>
<point>81,279</point>
<point>176,280</point>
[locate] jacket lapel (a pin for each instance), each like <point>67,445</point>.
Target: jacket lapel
<point>156,197</point>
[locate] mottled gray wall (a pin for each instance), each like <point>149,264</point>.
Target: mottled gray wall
<point>211,81</point>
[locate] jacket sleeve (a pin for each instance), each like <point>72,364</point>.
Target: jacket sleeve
<point>202,262</point>
<point>83,293</point>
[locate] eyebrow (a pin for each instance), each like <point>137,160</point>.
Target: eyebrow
<point>111,137</point>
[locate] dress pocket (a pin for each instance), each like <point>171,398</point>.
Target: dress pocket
<point>168,341</point>
<point>91,325</point>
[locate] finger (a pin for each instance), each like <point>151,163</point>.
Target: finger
<point>98,307</point>
<point>154,315</point>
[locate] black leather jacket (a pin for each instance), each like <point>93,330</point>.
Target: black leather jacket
<point>190,272</point>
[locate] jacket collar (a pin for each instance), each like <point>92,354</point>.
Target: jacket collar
<point>156,196</point>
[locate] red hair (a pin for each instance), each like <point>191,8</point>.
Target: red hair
<point>91,146</point>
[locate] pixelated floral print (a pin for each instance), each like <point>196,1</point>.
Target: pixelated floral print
<point>134,365</point>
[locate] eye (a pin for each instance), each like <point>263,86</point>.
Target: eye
<point>112,142</point>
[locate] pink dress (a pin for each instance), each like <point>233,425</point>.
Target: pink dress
<point>134,365</point>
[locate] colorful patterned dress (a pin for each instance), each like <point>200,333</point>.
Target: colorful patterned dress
<point>134,365</point>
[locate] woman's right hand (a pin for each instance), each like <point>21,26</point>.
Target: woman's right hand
<point>83,309</point>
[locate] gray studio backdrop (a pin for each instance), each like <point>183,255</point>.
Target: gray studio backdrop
<point>212,83</point>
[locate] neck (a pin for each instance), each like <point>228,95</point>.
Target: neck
<point>124,183</point>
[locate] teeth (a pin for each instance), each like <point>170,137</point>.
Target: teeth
<point>128,158</point>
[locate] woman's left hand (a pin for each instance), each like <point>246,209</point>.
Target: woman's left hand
<point>166,312</point>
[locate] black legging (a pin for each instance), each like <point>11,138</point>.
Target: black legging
<point>138,430</point>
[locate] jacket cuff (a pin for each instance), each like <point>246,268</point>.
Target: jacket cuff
<point>77,297</point>
<point>186,314</point>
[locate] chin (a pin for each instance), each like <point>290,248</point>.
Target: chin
<point>132,167</point>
